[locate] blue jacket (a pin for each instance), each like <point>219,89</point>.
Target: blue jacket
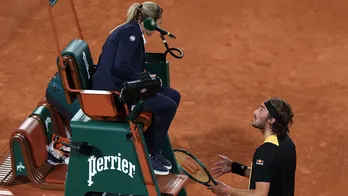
<point>122,58</point>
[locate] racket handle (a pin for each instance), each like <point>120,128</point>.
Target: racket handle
<point>214,182</point>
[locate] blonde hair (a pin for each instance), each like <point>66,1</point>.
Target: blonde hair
<point>141,11</point>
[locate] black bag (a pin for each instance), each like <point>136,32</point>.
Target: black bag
<point>56,98</point>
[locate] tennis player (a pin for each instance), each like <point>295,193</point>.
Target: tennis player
<point>272,171</point>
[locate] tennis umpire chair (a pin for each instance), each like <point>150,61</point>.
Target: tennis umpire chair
<point>108,151</point>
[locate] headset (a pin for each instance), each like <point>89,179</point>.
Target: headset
<point>140,14</point>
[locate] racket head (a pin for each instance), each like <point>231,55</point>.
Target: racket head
<point>193,167</point>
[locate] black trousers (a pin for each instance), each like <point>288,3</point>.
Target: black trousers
<point>163,106</point>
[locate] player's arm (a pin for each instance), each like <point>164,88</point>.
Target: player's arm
<point>261,174</point>
<point>247,172</point>
<point>240,169</point>
<point>263,162</point>
<point>261,189</point>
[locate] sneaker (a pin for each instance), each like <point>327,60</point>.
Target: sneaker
<point>163,160</point>
<point>157,166</point>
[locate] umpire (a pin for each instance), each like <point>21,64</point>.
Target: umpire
<point>123,59</point>
<point>272,171</point>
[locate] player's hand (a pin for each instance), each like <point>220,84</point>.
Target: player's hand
<point>220,189</point>
<point>221,167</point>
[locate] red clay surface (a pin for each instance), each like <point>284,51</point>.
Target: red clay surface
<point>237,54</point>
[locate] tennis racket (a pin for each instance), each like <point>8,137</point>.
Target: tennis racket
<point>193,167</point>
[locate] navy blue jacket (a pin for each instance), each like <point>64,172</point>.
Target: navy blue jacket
<point>122,58</point>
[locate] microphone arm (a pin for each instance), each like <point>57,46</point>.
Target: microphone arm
<point>163,32</point>
<point>171,49</point>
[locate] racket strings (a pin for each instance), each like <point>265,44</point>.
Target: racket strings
<point>190,166</point>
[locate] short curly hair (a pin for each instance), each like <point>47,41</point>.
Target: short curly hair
<point>286,115</point>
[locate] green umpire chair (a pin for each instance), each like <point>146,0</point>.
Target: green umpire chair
<point>108,151</point>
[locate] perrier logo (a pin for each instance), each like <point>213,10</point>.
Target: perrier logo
<point>97,165</point>
<point>20,167</point>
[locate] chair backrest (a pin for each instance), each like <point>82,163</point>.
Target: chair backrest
<point>49,121</point>
<point>77,72</point>
<point>34,133</point>
<point>78,68</point>
<point>45,118</point>
<point>78,51</point>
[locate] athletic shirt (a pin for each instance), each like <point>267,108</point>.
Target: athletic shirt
<point>275,162</point>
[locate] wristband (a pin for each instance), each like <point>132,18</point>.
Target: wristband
<point>238,168</point>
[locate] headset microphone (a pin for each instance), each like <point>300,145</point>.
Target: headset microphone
<point>151,25</point>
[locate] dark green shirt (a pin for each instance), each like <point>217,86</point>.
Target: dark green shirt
<point>275,162</point>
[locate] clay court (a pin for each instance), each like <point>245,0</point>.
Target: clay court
<point>237,54</point>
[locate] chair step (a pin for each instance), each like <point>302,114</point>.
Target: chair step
<point>171,184</point>
<point>6,170</point>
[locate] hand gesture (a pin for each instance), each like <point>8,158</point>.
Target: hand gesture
<point>221,167</point>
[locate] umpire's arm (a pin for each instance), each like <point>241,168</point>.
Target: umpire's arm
<point>128,43</point>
